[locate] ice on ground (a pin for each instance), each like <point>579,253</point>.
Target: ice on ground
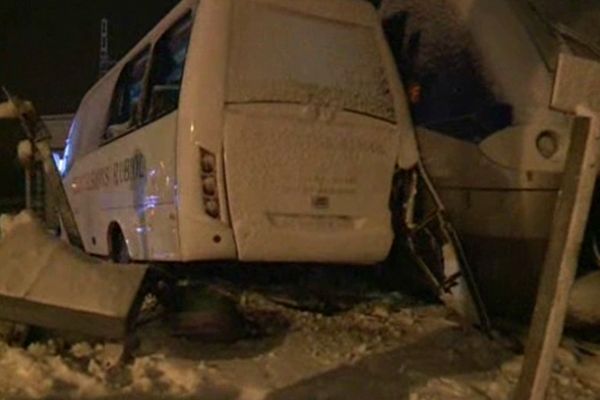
<point>375,350</point>
<point>9,222</point>
<point>39,372</point>
<point>378,349</point>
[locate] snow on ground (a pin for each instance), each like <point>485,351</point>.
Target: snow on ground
<point>387,347</point>
<point>377,350</point>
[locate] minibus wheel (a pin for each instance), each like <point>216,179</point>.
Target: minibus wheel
<point>119,253</point>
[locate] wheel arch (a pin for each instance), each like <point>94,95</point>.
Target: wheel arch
<point>114,228</point>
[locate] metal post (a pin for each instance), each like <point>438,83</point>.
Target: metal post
<point>560,265</point>
<point>38,133</point>
<point>576,91</point>
<point>28,197</point>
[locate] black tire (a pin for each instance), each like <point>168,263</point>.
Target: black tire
<point>119,252</point>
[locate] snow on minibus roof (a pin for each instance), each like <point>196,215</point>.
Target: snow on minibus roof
<point>356,11</point>
<point>359,12</point>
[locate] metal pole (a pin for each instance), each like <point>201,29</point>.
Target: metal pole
<point>560,265</point>
<point>28,200</point>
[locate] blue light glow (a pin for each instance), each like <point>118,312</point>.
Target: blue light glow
<point>59,162</point>
<point>151,202</point>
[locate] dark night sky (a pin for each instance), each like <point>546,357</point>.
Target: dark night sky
<point>49,48</point>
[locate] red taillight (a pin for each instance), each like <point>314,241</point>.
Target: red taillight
<point>209,185</point>
<point>208,162</point>
<point>208,174</point>
<point>211,206</point>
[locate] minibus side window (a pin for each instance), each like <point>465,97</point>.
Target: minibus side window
<point>127,97</point>
<point>166,71</point>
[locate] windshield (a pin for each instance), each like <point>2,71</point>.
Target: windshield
<point>282,56</point>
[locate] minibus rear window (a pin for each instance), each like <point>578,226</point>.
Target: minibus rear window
<point>283,56</point>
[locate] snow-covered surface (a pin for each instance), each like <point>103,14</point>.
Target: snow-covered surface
<point>8,223</point>
<point>46,271</point>
<point>584,301</point>
<point>279,56</point>
<point>376,350</point>
<point>389,347</point>
<point>302,189</point>
<point>505,59</point>
<point>7,110</point>
<point>25,151</point>
<point>492,35</point>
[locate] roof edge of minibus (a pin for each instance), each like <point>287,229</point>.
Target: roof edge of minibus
<point>171,16</point>
<point>359,5</point>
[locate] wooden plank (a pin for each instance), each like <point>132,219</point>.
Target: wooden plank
<point>560,264</point>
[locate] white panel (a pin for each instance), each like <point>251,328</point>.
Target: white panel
<point>301,189</point>
<point>130,181</point>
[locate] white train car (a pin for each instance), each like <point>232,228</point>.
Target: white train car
<point>251,130</point>
<point>482,82</point>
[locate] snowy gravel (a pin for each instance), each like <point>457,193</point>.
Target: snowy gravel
<point>376,350</point>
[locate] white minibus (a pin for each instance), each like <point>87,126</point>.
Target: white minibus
<point>250,130</point>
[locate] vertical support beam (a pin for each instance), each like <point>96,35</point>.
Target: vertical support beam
<point>37,132</point>
<point>58,191</point>
<point>560,264</point>
<point>28,190</point>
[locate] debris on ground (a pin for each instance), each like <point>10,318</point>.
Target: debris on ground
<point>269,340</point>
<point>45,282</point>
<point>376,349</point>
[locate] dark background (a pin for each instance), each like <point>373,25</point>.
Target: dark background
<point>49,51</point>
<point>49,48</point>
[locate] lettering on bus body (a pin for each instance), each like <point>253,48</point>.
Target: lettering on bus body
<point>130,169</point>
